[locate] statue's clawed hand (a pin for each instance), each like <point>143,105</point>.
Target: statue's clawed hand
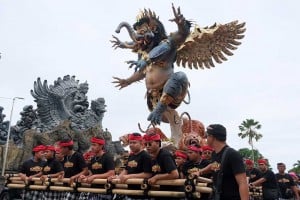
<point>117,43</point>
<point>120,83</point>
<point>155,117</point>
<point>139,65</point>
<point>178,17</point>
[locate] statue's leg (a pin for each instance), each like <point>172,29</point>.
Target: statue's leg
<point>174,92</point>
<point>175,125</point>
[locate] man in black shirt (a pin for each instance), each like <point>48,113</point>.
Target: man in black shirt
<point>252,173</point>
<point>74,165</point>
<point>194,163</point>
<point>207,152</point>
<point>163,164</point>
<point>286,184</point>
<point>138,164</point>
<point>52,169</point>
<point>180,160</point>
<point>101,166</point>
<point>267,180</point>
<point>229,176</point>
<point>31,168</point>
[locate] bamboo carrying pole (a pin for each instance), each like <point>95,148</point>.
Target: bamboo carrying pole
<point>203,189</point>
<point>200,187</point>
<point>40,187</point>
<point>128,192</point>
<point>174,182</point>
<point>166,194</point>
<point>92,190</point>
<point>153,193</point>
<point>203,179</point>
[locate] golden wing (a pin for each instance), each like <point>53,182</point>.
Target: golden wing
<point>204,45</point>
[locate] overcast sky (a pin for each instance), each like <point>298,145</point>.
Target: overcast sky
<point>53,38</point>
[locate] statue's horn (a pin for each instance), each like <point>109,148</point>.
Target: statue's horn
<point>189,98</point>
<point>139,125</point>
<point>151,124</point>
<point>180,119</point>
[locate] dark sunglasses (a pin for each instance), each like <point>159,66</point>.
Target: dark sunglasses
<point>206,153</point>
<point>148,144</point>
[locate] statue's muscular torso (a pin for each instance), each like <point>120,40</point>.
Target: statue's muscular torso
<point>160,69</point>
<point>157,74</point>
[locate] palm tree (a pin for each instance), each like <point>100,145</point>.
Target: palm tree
<point>296,167</point>
<point>249,129</point>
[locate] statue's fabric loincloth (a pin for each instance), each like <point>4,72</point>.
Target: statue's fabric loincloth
<point>155,95</point>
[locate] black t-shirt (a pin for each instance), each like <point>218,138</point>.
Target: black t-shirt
<point>139,163</point>
<point>270,182</point>
<point>190,167</point>
<point>285,181</point>
<point>253,174</point>
<point>102,164</point>
<point>30,167</point>
<point>233,164</point>
<point>164,163</point>
<point>73,164</point>
<point>52,166</point>
<point>136,164</point>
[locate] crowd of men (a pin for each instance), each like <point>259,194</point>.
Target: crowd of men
<point>149,161</point>
<point>281,185</point>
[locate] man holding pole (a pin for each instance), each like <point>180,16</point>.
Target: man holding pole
<point>101,166</point>
<point>138,165</point>
<point>30,169</point>
<point>74,165</point>
<point>163,165</point>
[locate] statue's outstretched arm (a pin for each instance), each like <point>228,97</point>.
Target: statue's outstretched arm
<point>117,43</point>
<point>154,55</point>
<point>183,27</point>
<point>121,83</point>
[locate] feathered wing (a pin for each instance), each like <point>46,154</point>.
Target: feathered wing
<point>206,45</point>
<point>46,106</point>
<point>50,100</point>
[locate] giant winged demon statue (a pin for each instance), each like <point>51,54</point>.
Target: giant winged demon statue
<point>157,53</point>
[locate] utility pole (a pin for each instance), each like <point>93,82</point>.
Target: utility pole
<point>8,135</point>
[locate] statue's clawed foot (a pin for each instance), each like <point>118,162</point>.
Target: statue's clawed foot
<point>156,115</point>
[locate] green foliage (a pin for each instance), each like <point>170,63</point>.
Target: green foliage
<point>247,154</point>
<point>248,129</point>
<point>296,167</point>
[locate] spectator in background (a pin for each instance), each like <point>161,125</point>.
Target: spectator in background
<point>286,184</point>
<point>252,173</point>
<point>296,180</point>
<point>267,180</point>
